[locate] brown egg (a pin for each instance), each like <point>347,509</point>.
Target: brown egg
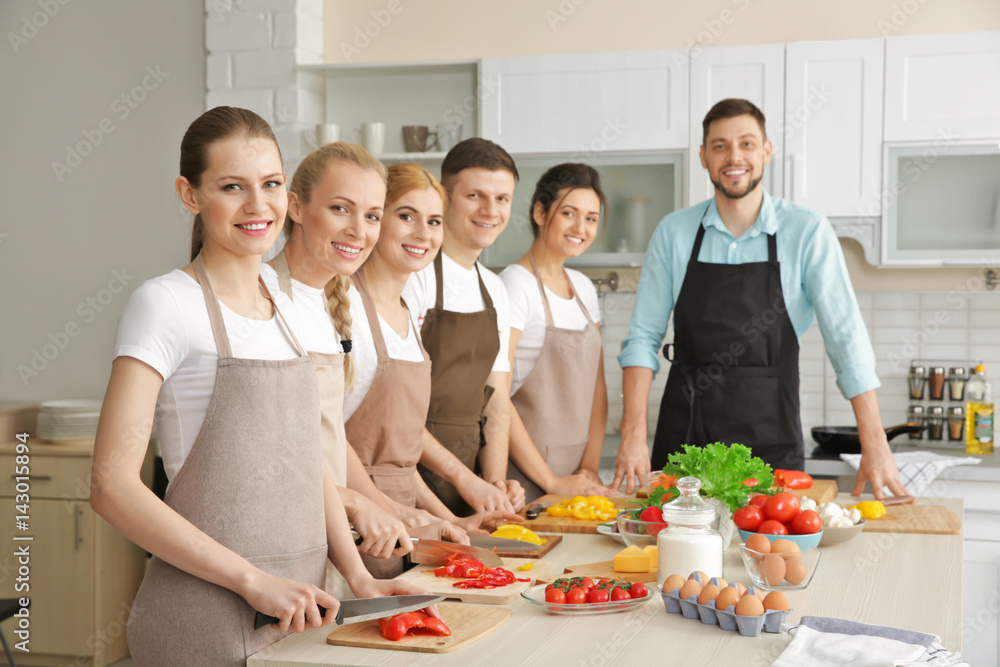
<point>749,605</point>
<point>704,577</point>
<point>673,583</point>
<point>690,587</point>
<point>741,588</point>
<point>722,582</point>
<point>776,600</point>
<point>728,596</point>
<point>795,571</point>
<point>772,570</point>
<point>759,543</point>
<point>709,592</point>
<point>785,547</point>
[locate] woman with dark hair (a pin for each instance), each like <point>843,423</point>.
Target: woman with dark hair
<point>557,389</point>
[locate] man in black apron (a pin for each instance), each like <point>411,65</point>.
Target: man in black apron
<point>734,374</point>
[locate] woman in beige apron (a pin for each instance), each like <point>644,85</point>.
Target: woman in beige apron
<point>560,405</point>
<point>250,517</point>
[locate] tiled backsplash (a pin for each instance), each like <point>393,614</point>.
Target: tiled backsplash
<point>902,326</point>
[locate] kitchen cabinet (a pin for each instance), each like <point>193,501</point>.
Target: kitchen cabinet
<point>587,103</point>
<point>83,573</point>
<point>981,601</point>
<point>833,126</point>
<point>942,87</point>
<point>755,72</point>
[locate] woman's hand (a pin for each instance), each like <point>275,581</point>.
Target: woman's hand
<point>443,531</point>
<point>483,496</point>
<point>514,491</point>
<point>414,517</point>
<point>579,484</point>
<point>377,588</point>
<point>293,603</point>
<point>380,531</point>
<point>483,522</point>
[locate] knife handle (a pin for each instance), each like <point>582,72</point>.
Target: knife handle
<point>260,620</point>
<point>359,540</point>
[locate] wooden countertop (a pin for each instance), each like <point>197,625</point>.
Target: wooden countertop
<point>867,579</point>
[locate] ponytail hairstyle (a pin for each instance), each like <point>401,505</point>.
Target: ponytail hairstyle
<point>407,177</point>
<point>310,171</point>
<point>563,178</point>
<point>214,125</point>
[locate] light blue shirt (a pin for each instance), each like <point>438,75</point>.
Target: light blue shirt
<point>814,279</point>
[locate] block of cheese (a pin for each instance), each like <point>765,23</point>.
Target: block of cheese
<point>654,554</point>
<point>633,559</point>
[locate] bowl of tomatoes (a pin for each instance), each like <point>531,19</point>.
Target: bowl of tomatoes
<point>583,595</point>
<point>641,530</point>
<point>779,516</point>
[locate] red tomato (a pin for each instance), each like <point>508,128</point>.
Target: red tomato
<point>655,516</point>
<point>620,594</point>
<point>807,523</point>
<point>598,595</point>
<point>638,591</point>
<point>576,596</point>
<point>772,527</point>
<point>782,507</point>
<point>602,582</point>
<point>758,501</point>
<point>588,583</point>
<point>550,587</point>
<point>555,595</point>
<point>748,518</point>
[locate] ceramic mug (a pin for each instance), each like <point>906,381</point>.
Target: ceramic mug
<point>448,134</point>
<point>327,133</point>
<point>415,138</point>
<point>372,137</point>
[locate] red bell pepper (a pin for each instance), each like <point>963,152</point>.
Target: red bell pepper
<point>395,627</point>
<point>460,566</point>
<point>792,479</point>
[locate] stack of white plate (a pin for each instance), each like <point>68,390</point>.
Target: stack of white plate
<point>68,421</point>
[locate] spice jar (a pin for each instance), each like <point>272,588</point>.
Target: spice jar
<point>935,422</point>
<point>916,416</point>
<point>689,542</point>
<point>956,421</point>
<point>917,380</point>
<point>936,382</point>
<point>956,382</point>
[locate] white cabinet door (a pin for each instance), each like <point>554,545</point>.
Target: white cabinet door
<point>941,87</point>
<point>754,72</point>
<point>833,126</point>
<point>586,103</point>
<point>981,601</point>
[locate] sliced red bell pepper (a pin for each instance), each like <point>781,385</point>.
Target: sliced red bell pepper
<point>792,479</point>
<point>459,566</point>
<point>396,627</point>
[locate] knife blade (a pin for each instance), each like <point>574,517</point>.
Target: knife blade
<point>433,552</point>
<point>365,609</point>
<point>502,543</point>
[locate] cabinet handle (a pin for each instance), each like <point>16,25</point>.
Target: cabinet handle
<point>791,177</point>
<point>38,477</point>
<point>76,528</point>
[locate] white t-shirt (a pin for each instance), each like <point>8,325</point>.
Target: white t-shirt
<point>527,314</point>
<point>461,295</point>
<point>312,323</point>
<point>165,325</point>
<point>366,356</point>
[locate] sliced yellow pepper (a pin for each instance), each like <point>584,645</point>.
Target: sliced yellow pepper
<point>870,509</point>
<point>526,566</point>
<point>512,531</point>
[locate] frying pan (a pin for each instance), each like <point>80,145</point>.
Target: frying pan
<point>844,439</point>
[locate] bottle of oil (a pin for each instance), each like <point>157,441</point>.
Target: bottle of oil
<point>979,413</point>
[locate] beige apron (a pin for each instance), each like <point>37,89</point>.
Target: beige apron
<point>557,397</point>
<point>387,429</point>
<point>330,376</point>
<point>252,482</point>
<point>462,348</point>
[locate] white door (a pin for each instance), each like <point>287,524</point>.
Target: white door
<point>583,104</point>
<point>754,72</point>
<point>833,126</point>
<point>942,87</point>
<point>981,600</point>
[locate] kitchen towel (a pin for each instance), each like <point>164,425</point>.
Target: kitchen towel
<point>833,642</point>
<point>917,469</point>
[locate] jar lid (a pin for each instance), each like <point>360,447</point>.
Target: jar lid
<point>917,370</point>
<point>957,411</point>
<point>980,368</point>
<point>916,409</point>
<point>937,370</point>
<point>960,371</point>
<point>689,508</point>
<point>937,410</point>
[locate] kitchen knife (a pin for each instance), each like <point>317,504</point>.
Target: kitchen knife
<point>896,500</point>
<point>432,552</point>
<point>502,543</point>
<point>365,609</point>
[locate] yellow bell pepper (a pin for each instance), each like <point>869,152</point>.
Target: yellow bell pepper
<point>526,566</point>
<point>512,531</point>
<point>870,509</point>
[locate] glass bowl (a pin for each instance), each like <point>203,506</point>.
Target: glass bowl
<point>536,596</point>
<point>804,541</point>
<point>636,531</point>
<point>757,563</point>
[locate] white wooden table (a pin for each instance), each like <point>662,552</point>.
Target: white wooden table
<point>904,580</point>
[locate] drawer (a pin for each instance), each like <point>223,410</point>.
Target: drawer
<point>57,477</point>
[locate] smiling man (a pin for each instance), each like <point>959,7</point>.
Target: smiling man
<point>745,274</point>
<point>465,321</point>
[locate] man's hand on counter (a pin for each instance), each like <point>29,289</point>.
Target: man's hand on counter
<point>877,463</point>
<point>632,463</point>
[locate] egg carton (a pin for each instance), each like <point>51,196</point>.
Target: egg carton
<point>748,626</point>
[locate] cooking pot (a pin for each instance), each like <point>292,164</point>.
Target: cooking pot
<point>845,440</point>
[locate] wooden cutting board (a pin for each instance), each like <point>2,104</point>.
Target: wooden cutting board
<point>928,519</point>
<point>467,624</point>
<point>563,524</point>
<point>606,569</point>
<point>423,576</point>
<point>551,542</point>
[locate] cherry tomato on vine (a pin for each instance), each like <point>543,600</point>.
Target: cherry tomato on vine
<point>639,590</point>
<point>598,595</point>
<point>620,594</point>
<point>555,595</point>
<point>576,596</point>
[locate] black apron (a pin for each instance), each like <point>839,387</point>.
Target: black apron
<point>734,375</point>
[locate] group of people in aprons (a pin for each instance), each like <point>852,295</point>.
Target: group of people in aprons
<point>372,376</point>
